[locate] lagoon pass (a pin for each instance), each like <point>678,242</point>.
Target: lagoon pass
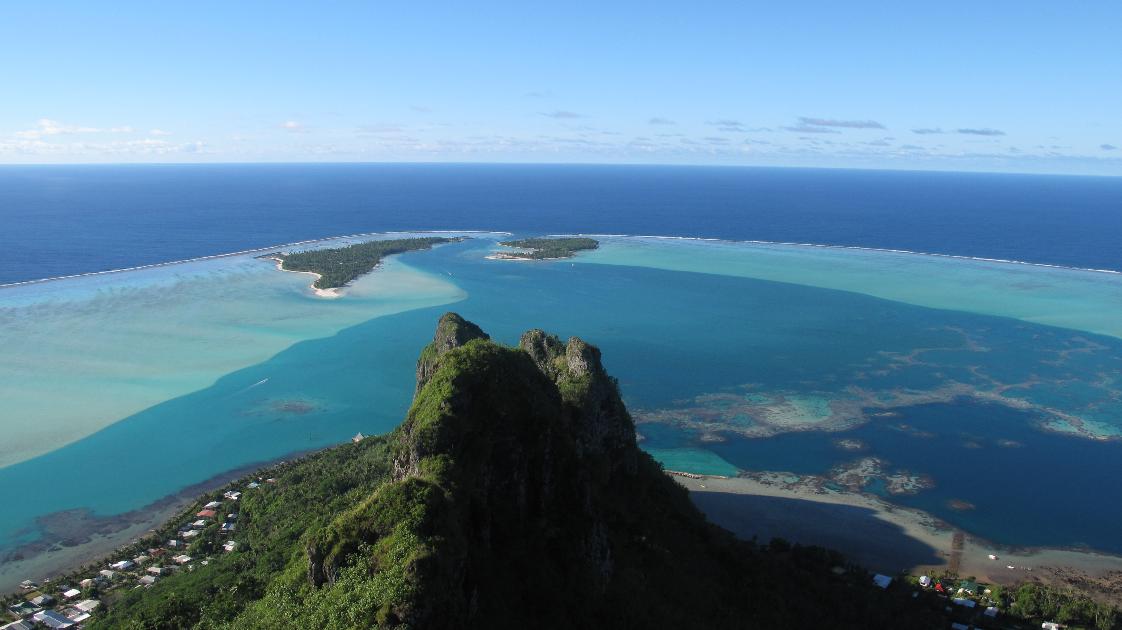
<point>985,394</point>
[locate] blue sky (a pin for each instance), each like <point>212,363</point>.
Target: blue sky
<point>997,86</point>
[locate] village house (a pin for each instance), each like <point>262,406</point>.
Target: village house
<point>53,619</point>
<point>18,625</point>
<point>123,565</point>
<point>76,616</point>
<point>212,505</point>
<point>148,580</point>
<point>71,594</point>
<point>23,609</point>
<point>42,601</point>
<point>206,514</point>
<point>87,605</point>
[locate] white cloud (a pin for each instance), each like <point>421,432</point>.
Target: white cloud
<point>159,132</point>
<point>291,125</point>
<point>47,127</point>
<point>138,147</point>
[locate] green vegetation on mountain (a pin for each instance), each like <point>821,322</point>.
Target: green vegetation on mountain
<point>339,266</point>
<point>543,248</point>
<point>1064,606</point>
<point>512,495</point>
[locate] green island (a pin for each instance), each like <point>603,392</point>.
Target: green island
<point>547,248</point>
<point>512,495</point>
<point>337,267</point>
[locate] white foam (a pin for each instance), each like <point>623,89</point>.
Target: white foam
<point>1004,261</point>
<point>244,252</point>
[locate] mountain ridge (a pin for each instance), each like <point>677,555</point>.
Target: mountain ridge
<point>512,494</point>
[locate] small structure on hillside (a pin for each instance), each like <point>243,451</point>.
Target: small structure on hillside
<point>358,437</point>
<point>53,619</point>
<point>87,605</point>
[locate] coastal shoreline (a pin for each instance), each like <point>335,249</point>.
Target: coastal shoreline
<point>244,252</point>
<point>53,558</point>
<point>332,293</point>
<point>501,256</point>
<point>916,542</point>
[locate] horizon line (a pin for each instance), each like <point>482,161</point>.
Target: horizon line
<point>597,164</point>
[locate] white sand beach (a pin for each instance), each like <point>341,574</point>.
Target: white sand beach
<point>332,293</point>
<point>885,537</point>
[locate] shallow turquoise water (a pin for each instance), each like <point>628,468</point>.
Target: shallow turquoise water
<point>721,370</point>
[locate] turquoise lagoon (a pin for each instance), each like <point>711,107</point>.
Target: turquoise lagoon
<point>121,389</point>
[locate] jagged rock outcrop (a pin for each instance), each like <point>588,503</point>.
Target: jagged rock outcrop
<point>452,331</point>
<point>603,427</point>
<point>524,445</point>
<point>517,495</point>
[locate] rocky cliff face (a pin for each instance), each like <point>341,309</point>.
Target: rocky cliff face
<point>518,496</point>
<point>512,496</point>
<point>513,455</point>
<point>452,331</point>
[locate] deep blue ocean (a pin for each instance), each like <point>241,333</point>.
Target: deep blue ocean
<point>968,399</point>
<point>62,220</point>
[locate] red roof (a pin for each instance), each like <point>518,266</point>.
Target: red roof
<point>207,514</point>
